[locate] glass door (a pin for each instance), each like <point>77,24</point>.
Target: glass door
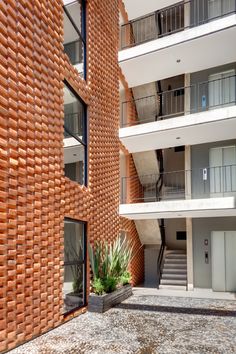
<point>222,163</point>
<point>218,8</point>
<point>222,89</point>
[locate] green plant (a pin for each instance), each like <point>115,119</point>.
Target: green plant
<point>110,284</point>
<point>95,258</point>
<point>98,286</point>
<point>125,278</point>
<point>109,263</point>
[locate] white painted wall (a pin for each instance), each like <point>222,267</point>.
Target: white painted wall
<point>171,227</point>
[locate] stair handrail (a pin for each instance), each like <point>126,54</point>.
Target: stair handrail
<point>160,181</point>
<point>161,252</point>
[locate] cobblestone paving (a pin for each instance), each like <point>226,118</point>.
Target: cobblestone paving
<point>146,325</point>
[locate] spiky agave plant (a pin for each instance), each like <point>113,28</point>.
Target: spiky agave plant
<point>110,262</point>
<point>95,256</point>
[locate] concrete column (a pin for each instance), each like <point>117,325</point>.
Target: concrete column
<point>187,148</point>
<point>189,230</point>
<point>188,191</point>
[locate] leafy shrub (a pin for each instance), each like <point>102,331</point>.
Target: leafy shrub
<point>125,278</point>
<point>98,286</point>
<point>110,284</point>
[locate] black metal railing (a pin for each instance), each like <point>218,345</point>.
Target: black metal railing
<point>73,123</point>
<point>161,252</point>
<point>199,97</point>
<point>196,183</point>
<point>172,19</point>
<point>74,50</point>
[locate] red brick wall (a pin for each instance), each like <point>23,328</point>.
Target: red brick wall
<point>34,194</point>
<point>137,261</point>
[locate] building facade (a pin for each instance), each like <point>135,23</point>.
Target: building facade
<point>75,171</point>
<point>178,122</point>
<point>59,141</point>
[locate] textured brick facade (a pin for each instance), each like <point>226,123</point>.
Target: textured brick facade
<point>35,195</point>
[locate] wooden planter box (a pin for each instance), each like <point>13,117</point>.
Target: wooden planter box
<point>102,303</point>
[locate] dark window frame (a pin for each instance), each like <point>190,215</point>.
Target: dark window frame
<point>84,140</point>
<point>84,263</point>
<point>82,34</point>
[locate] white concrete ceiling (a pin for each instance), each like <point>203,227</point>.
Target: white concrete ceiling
<point>198,48</point>
<point>194,208</point>
<point>137,8</point>
<point>199,128</point>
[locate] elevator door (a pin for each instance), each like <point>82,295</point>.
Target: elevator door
<point>223,250</point>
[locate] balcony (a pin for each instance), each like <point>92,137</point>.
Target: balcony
<point>175,36</point>
<point>172,19</point>
<point>182,116</point>
<point>203,192</point>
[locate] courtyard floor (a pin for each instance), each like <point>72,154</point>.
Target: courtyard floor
<point>146,324</point>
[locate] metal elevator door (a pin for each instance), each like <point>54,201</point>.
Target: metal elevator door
<point>223,250</point>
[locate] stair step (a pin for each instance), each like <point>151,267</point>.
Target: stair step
<point>173,282</point>
<point>178,256</point>
<point>175,261</point>
<point>172,287</point>
<point>175,251</point>
<point>175,266</point>
<point>174,271</point>
<point>174,277</point>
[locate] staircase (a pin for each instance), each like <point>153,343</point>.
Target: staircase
<point>174,273</point>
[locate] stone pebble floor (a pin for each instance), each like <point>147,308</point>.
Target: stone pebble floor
<point>145,325</point>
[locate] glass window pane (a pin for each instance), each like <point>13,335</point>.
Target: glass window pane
<point>75,11</point>
<point>73,238</point>
<point>74,167</point>
<point>74,114</point>
<point>74,265</point>
<point>74,38</point>
<point>73,288</point>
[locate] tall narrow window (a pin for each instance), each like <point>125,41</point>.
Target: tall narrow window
<point>74,287</point>
<point>75,146</point>
<point>74,34</point>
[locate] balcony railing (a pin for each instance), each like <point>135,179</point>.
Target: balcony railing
<point>73,123</point>
<point>201,97</point>
<point>74,50</point>
<point>218,181</point>
<point>173,19</point>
